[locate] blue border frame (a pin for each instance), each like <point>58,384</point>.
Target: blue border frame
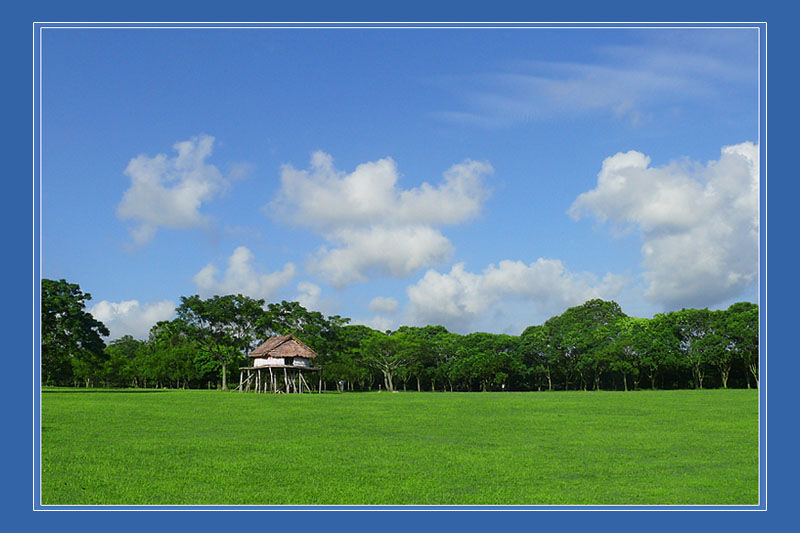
<point>379,523</point>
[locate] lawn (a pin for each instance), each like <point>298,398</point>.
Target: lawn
<point>224,448</point>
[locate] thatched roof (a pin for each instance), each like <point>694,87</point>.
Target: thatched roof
<point>284,346</point>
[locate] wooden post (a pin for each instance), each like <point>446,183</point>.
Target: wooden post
<point>271,381</point>
<point>286,380</point>
<point>304,383</point>
<point>241,379</point>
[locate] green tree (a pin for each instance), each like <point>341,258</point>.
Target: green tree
<point>383,352</point>
<point>72,343</point>
<point>419,350</point>
<point>574,336</point>
<point>539,354</point>
<point>691,326</point>
<point>119,369</point>
<point>657,346</point>
<point>224,327</point>
<point>445,347</point>
<point>174,354</point>
<point>741,328</point>
<point>624,351</point>
<point>346,361</point>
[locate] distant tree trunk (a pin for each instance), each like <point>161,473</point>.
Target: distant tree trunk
<point>753,367</point>
<point>725,371</point>
<point>224,376</point>
<point>419,387</point>
<point>697,373</point>
<point>625,381</point>
<point>583,380</point>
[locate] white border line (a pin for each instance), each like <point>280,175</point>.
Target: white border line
<point>427,25</point>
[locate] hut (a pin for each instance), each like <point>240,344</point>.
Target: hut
<point>278,366</point>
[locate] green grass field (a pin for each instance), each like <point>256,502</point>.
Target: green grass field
<point>213,447</point>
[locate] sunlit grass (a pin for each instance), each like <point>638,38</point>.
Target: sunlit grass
<point>213,447</point>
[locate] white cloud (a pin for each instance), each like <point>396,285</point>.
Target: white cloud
<point>241,277</point>
<point>628,82</point>
<point>699,223</point>
<point>168,192</point>
<point>371,224</point>
<point>378,323</point>
<point>309,295</point>
<point>459,298</point>
<point>394,251</point>
<point>131,318</point>
<point>383,305</point>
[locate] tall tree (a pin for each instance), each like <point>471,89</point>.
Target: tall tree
<point>384,353</point>
<point>120,368</point>
<point>573,334</point>
<point>71,337</point>
<point>691,326</point>
<point>741,327</point>
<point>657,346</point>
<point>223,326</point>
<point>539,354</point>
<point>626,347</point>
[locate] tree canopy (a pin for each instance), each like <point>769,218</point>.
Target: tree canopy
<point>592,346</point>
<point>72,339</point>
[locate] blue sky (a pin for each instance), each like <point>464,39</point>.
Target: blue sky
<point>481,179</point>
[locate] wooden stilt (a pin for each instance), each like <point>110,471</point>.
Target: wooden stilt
<point>271,383</point>
<point>304,384</point>
<point>286,380</point>
<point>241,379</point>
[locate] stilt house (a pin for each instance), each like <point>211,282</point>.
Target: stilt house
<point>278,366</point>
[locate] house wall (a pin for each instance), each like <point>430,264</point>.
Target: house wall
<point>278,361</point>
<point>268,361</point>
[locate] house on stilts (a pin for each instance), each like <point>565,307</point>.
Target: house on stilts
<point>278,366</point>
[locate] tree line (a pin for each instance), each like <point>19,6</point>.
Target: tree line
<point>594,346</point>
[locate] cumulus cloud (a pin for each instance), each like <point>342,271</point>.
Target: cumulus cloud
<point>241,277</point>
<point>370,223</point>
<point>382,305</point>
<point>131,318</point>
<point>377,322</point>
<point>699,223</point>
<point>168,192</point>
<point>309,295</point>
<point>459,298</point>
<point>393,251</point>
